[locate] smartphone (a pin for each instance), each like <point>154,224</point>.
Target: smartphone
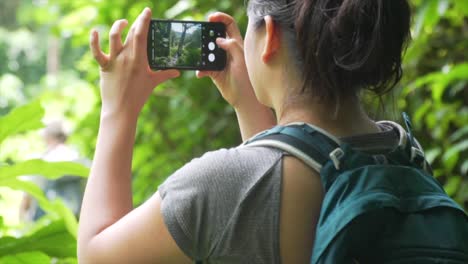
<point>185,45</point>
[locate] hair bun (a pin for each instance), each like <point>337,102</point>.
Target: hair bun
<point>347,45</point>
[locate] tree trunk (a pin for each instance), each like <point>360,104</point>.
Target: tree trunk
<point>53,56</point>
<point>181,42</point>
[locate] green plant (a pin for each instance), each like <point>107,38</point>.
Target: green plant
<point>56,235</point>
<point>435,90</point>
<point>187,117</point>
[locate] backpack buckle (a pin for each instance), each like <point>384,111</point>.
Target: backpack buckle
<point>336,156</point>
<point>409,127</point>
<point>417,156</point>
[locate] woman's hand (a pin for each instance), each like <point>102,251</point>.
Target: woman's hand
<point>111,230</point>
<point>233,82</point>
<point>126,78</point>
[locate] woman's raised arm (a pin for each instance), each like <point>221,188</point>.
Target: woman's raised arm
<point>110,230</point>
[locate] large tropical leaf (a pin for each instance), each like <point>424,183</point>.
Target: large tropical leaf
<point>32,257</point>
<point>50,170</point>
<point>56,207</point>
<point>25,118</point>
<point>54,240</point>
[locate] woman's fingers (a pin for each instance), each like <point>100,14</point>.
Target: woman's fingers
<point>231,46</point>
<point>201,74</point>
<point>115,37</point>
<point>141,34</point>
<point>231,26</point>
<point>98,55</point>
<point>211,74</point>
<point>234,51</point>
<point>131,32</point>
<point>162,76</point>
<point>216,76</point>
<point>130,35</point>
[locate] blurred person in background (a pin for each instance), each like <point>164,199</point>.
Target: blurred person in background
<point>68,188</point>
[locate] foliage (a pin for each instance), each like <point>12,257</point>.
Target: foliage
<point>11,124</point>
<point>53,241</point>
<point>435,90</point>
<point>187,117</point>
<point>58,237</point>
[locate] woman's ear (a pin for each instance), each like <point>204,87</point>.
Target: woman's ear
<point>272,40</point>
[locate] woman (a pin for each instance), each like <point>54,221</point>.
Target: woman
<point>306,60</point>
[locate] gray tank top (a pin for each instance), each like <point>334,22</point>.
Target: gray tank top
<point>224,207</point>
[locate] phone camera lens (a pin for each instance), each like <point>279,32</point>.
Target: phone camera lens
<point>211,46</point>
<point>211,57</point>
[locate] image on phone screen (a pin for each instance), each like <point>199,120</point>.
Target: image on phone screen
<point>185,45</point>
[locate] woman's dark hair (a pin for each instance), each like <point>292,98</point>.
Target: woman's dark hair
<point>342,45</point>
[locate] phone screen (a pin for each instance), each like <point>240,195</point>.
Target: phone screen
<point>185,45</point>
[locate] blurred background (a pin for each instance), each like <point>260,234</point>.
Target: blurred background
<point>49,111</point>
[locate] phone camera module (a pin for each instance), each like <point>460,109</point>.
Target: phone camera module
<point>211,46</point>
<point>211,57</point>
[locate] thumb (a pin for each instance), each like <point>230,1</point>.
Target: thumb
<point>159,77</point>
<point>201,74</point>
<point>231,46</point>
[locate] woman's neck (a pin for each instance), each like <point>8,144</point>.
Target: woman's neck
<point>346,120</point>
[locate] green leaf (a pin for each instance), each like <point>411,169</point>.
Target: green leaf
<point>179,8</point>
<point>439,81</point>
<point>30,188</point>
<point>33,257</point>
<point>458,72</point>
<point>432,154</point>
<point>459,147</point>
<point>422,110</point>
<point>459,134</point>
<point>68,217</point>
<point>79,16</point>
<point>54,240</point>
<point>50,170</point>
<point>427,16</point>
<point>451,157</point>
<point>25,118</point>
<point>464,168</point>
<point>57,206</point>
<point>420,82</point>
<point>461,6</point>
<point>431,16</point>
<point>462,194</point>
<point>452,185</point>
<point>67,261</point>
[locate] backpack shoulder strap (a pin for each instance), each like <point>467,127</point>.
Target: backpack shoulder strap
<point>311,144</point>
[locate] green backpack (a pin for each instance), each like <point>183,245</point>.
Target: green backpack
<point>372,212</point>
